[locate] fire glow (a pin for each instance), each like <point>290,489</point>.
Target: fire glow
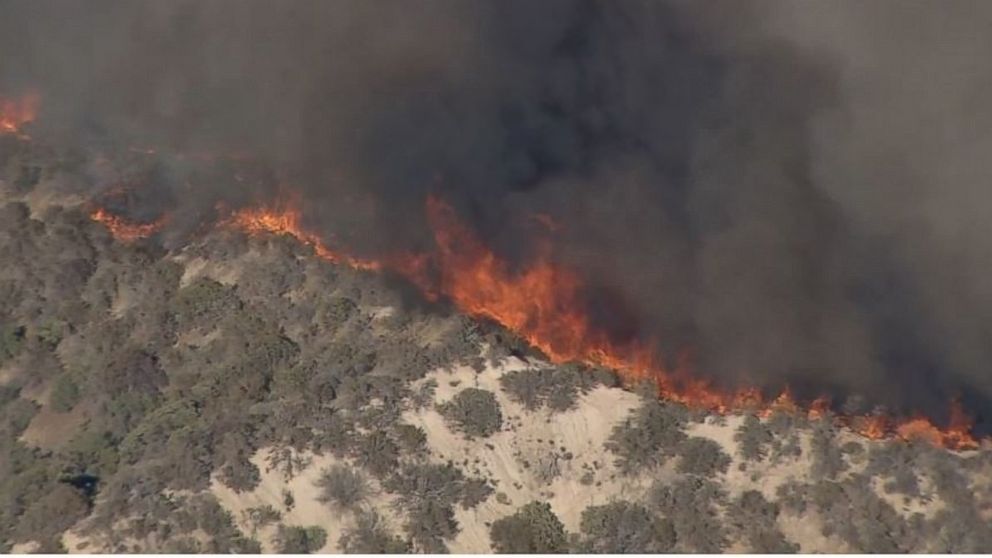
<point>15,113</point>
<point>124,230</point>
<point>543,304</point>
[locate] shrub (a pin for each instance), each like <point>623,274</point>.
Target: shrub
<point>300,540</point>
<point>533,529</point>
<point>428,492</point>
<point>558,388</point>
<point>753,438</point>
<point>369,535</point>
<point>828,459</point>
<point>755,518</point>
<point>342,487</point>
<point>649,437</point>
<point>473,412</point>
<point>11,340</point>
<point>702,456</point>
<point>65,394</point>
<point>691,505</point>
<point>376,452</point>
<point>624,528</point>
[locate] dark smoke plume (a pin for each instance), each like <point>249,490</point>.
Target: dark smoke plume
<point>797,192</point>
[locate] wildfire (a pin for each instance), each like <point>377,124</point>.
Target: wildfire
<point>124,230</point>
<point>286,220</point>
<point>15,113</point>
<point>543,303</point>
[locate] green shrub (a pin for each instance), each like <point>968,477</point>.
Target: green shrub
<point>369,535</point>
<point>624,528</point>
<point>65,394</point>
<point>533,529</point>
<point>473,412</point>
<point>342,487</point>
<point>702,456</point>
<point>300,540</point>
<point>649,437</point>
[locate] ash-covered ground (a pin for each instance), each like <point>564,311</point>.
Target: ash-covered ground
<point>236,394</point>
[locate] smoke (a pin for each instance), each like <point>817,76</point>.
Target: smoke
<point>794,192</point>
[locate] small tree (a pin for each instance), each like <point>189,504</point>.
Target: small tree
<point>369,535</point>
<point>533,529</point>
<point>300,540</point>
<point>753,438</point>
<point>65,394</point>
<point>474,412</point>
<point>702,456</point>
<point>342,487</point>
<point>649,437</point>
<point>624,528</point>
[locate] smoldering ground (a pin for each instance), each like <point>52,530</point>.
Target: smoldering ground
<point>795,192</point>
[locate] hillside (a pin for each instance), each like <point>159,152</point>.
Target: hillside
<point>238,394</point>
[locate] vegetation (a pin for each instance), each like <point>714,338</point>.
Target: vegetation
<point>702,456</point>
<point>342,487</point>
<point>649,437</point>
<point>624,528</point>
<point>300,540</point>
<point>533,529</point>
<point>369,535</point>
<point>183,374</point>
<point>753,439</point>
<point>473,412</point>
<point>558,388</point>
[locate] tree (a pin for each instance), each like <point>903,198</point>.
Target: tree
<point>533,529</point>
<point>753,438</point>
<point>624,528</point>
<point>300,540</point>
<point>702,456</point>
<point>65,394</point>
<point>370,535</point>
<point>342,487</point>
<point>473,412</point>
<point>649,437</point>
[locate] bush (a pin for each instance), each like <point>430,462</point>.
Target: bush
<point>753,438</point>
<point>428,492</point>
<point>533,529</point>
<point>828,459</point>
<point>65,394</point>
<point>369,535</point>
<point>558,387</point>
<point>649,437</point>
<point>376,452</point>
<point>702,456</point>
<point>756,519</point>
<point>11,340</point>
<point>691,504</point>
<point>624,528</point>
<point>342,487</point>
<point>300,540</point>
<point>473,412</point>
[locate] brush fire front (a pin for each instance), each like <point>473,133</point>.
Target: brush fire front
<point>543,304</point>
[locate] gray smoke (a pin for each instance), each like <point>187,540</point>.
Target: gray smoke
<point>796,192</point>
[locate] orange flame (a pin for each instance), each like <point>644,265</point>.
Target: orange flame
<point>286,219</point>
<point>124,230</point>
<point>543,303</point>
<point>15,113</point>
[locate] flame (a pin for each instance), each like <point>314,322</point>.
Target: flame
<point>957,434</point>
<point>124,230</point>
<point>15,113</point>
<point>543,303</point>
<point>286,219</point>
